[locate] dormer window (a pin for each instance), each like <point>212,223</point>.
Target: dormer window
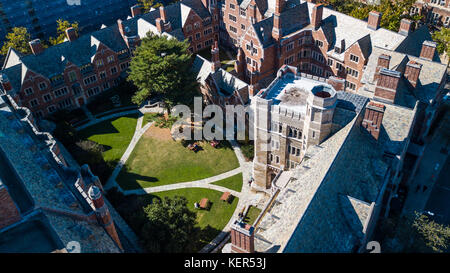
<point>337,50</point>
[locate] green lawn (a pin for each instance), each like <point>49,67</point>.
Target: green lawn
<point>156,162</point>
<point>210,222</point>
<point>252,214</point>
<point>115,134</point>
<point>233,183</point>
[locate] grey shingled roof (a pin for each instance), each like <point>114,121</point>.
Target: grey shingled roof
<point>412,45</point>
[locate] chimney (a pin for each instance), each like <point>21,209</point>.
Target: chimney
<point>162,13</point>
<point>374,19</point>
<point>71,34</point>
<point>279,6</point>
<point>253,87</point>
<point>6,84</point>
<point>102,213</point>
<point>36,46</point>
<point>239,65</point>
<point>405,27</point>
<point>276,30</point>
<point>383,62</point>
<point>387,83</point>
<point>159,25</point>
<point>242,238</point>
<point>121,27</point>
<point>428,49</point>
<point>317,12</point>
<point>373,117</point>
<point>337,83</point>
<point>412,72</point>
<point>136,10</point>
<point>9,212</point>
<point>215,58</point>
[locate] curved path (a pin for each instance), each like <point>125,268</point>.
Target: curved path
<point>246,198</point>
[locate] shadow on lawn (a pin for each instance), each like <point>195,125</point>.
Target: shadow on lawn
<point>98,129</point>
<point>130,180</point>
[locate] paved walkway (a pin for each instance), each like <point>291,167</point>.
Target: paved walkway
<point>203,183</point>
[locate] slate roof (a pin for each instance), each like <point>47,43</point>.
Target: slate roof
<point>430,77</point>
<point>330,194</point>
<point>47,186</point>
<point>412,45</point>
<point>225,81</point>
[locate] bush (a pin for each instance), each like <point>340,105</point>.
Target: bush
<point>248,149</point>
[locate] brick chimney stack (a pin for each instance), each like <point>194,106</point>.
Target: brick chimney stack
<point>239,65</point>
<point>405,27</point>
<point>71,34</point>
<point>121,27</point>
<point>412,72</point>
<point>373,117</point>
<point>374,20</point>
<point>428,49</point>
<point>102,213</point>
<point>383,62</point>
<point>279,6</point>
<point>215,58</point>
<point>36,46</point>
<point>136,10</point>
<point>317,12</point>
<point>337,83</point>
<point>242,238</point>
<point>253,86</point>
<point>387,83</point>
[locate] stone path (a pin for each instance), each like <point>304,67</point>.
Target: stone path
<point>203,183</point>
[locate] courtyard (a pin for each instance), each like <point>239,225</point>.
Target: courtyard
<point>159,160</point>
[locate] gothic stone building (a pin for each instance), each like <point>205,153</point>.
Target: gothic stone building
<point>68,75</point>
<point>47,205</point>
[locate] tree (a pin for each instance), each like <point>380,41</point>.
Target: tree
<point>148,4</point>
<point>17,39</point>
<point>61,31</point>
<point>162,66</point>
<point>442,37</point>
<point>418,233</point>
<point>170,226</point>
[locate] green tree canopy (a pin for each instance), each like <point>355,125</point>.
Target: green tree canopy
<point>62,25</point>
<point>148,4</point>
<point>18,39</point>
<point>442,37</point>
<point>170,226</point>
<point>162,66</point>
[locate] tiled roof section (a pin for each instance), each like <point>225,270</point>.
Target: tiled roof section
<point>198,7</point>
<point>294,19</point>
<point>349,101</point>
<point>292,203</point>
<point>343,23</point>
<point>47,183</point>
<point>412,45</point>
<point>366,46</point>
<point>263,30</point>
<point>395,127</point>
<point>430,77</point>
<point>224,80</point>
